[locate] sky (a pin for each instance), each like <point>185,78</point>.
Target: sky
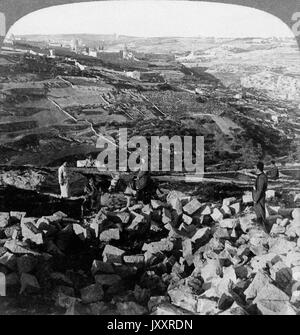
<point>152,19</point>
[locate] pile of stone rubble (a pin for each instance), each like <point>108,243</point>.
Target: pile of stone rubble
<point>175,256</point>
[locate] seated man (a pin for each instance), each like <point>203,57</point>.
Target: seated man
<point>92,195</point>
<point>274,172</point>
<point>89,162</point>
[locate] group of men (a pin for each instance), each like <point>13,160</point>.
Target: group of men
<point>142,188</point>
<point>139,186</point>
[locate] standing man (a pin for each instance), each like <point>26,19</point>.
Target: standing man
<point>63,180</point>
<point>259,194</point>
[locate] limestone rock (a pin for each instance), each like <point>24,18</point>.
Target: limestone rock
<point>247,198</point>
<point>260,280</point>
<point>130,308</point>
<point>155,301</point>
<point>217,215</point>
<point>29,284</point>
<point>207,306</point>
<point>229,201</point>
<point>99,266</point>
<point>26,263</point>
<point>92,293</point>
<point>9,260</point>
<point>108,279</point>
<point>4,219</point>
<point>270,300</point>
<point>229,223</point>
<point>110,234</point>
<point>236,207</point>
<point>112,254</point>
<point>192,207</point>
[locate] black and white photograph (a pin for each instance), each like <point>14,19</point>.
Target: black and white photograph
<point>149,160</point>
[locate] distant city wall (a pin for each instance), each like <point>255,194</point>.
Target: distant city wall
<point>288,10</point>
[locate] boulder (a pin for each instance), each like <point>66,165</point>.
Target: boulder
<point>225,302</point>
<point>247,198</point>
<point>155,301</point>
<point>170,309</point>
<point>112,254</point>
<point>13,232</point>
<point>158,247</point>
<point>166,216</point>
<point>229,201</point>
<point>296,215</point>
<point>102,308</point>
<point>270,300</point>
<point>9,261</point>
<point>26,263</point>
<point>4,219</point>
<point>92,293</point>
<point>270,194</point>
<point>207,306</point>
<point>283,222</point>
<point>201,236</point>
<point>99,266</point>
<point>110,234</point>
<point>137,222</point>
<point>246,222</point>
<point>206,210</point>
<point>30,232</point>
<point>184,298</point>
<point>108,279</point>
<point>29,284</point>
<point>217,215</point>
<point>192,207</point>
<point>295,299</point>
<point>187,219</point>
<point>17,247</point>
<point>211,270</point>
<point>130,308</point>
<point>296,273</point>
<point>222,234</point>
<point>281,246</point>
<point>136,260</point>
<point>277,229</point>
<point>281,274</point>
<point>17,216</point>
<point>175,204</point>
<point>236,207</point>
<point>235,309</point>
<point>260,262</point>
<point>60,279</point>
<point>229,223</point>
<point>157,204</point>
<point>187,251</point>
<point>80,231</point>
<point>226,210</point>
<point>229,277</point>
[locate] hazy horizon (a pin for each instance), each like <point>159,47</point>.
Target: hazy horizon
<point>152,19</point>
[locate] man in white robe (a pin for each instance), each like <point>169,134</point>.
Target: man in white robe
<point>63,180</point>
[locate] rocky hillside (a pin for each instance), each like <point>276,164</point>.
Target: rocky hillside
<point>177,255</point>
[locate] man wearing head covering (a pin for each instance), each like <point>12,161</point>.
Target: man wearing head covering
<point>63,180</point>
<point>259,194</point>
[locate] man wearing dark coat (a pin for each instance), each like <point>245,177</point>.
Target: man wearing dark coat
<point>259,194</point>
